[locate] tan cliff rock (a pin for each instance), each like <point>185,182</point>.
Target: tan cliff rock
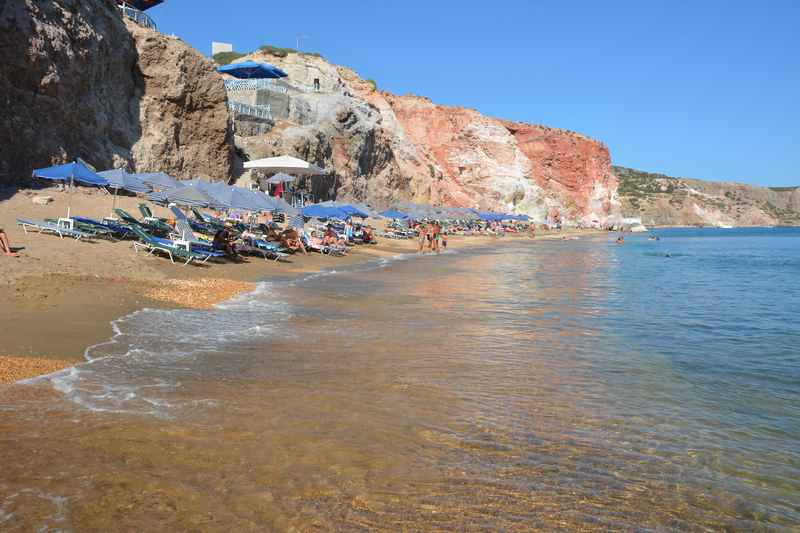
<point>75,82</point>
<point>66,85</point>
<point>665,200</point>
<point>183,110</point>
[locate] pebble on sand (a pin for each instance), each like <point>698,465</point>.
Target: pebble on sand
<point>198,294</point>
<point>16,368</point>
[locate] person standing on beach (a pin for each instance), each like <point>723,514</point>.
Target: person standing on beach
<point>533,231</point>
<point>423,235</point>
<point>437,231</point>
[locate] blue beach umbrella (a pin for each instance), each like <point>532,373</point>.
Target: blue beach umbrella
<point>237,198</point>
<point>189,196</point>
<point>71,172</point>
<point>348,209</point>
<point>270,203</point>
<point>159,197</point>
<point>119,179</point>
<point>252,70</point>
<point>323,211</point>
<point>283,206</point>
<point>486,216</point>
<point>393,213</point>
<point>158,180</point>
<point>364,208</point>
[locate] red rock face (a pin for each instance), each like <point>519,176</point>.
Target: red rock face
<point>570,163</point>
<point>479,161</point>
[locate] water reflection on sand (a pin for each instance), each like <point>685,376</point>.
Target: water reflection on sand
<point>471,391</point>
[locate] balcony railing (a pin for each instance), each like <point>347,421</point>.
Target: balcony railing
<point>138,17</point>
<point>257,111</point>
<point>254,85</point>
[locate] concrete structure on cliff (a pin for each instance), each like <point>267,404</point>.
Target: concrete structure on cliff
<point>135,10</point>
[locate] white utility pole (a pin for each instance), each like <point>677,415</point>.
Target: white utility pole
<point>300,38</point>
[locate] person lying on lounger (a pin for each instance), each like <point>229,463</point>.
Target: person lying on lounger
<point>369,236</point>
<point>271,234</point>
<point>291,240</point>
<point>5,246</point>
<point>223,242</point>
<point>332,239</point>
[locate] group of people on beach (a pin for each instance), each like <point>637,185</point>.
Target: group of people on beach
<point>431,238</point>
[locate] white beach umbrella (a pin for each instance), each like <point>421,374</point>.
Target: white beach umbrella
<point>288,164</point>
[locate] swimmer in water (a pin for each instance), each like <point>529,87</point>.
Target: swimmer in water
<point>620,240</point>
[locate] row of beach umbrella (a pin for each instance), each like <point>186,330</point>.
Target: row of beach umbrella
<point>162,188</point>
<point>404,211</point>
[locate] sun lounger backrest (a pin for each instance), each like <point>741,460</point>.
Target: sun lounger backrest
<point>144,236</point>
<point>182,225</point>
<point>126,217</point>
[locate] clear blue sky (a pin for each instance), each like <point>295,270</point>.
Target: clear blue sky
<point>707,89</point>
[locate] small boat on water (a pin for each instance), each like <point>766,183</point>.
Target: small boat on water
<point>724,226</point>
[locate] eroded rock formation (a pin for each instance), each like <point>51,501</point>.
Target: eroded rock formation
<point>182,109</point>
<point>67,86</point>
<point>74,82</point>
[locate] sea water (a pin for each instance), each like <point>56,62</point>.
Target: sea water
<point>528,385</point>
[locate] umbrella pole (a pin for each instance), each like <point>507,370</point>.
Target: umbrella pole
<point>114,202</point>
<point>69,196</point>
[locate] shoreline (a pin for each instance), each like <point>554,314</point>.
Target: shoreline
<point>62,295</point>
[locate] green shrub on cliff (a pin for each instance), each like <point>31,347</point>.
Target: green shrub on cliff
<point>225,58</point>
<point>283,52</point>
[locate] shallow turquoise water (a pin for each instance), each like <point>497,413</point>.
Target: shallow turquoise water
<point>561,385</point>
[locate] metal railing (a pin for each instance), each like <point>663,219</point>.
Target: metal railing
<point>138,17</point>
<point>254,85</point>
<point>258,111</point>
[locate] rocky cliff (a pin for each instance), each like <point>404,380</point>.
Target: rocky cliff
<point>78,82</point>
<point>75,82</point>
<point>665,200</point>
<point>382,148</point>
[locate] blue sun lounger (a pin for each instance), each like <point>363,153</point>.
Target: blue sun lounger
<point>183,230</point>
<point>263,248</point>
<point>117,229</point>
<point>156,244</point>
<point>48,227</point>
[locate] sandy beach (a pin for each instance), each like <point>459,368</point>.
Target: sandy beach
<point>60,295</point>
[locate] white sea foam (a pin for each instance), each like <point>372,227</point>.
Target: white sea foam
<point>51,522</point>
<point>135,370</point>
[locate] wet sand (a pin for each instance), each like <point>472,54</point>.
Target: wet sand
<point>60,295</point>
